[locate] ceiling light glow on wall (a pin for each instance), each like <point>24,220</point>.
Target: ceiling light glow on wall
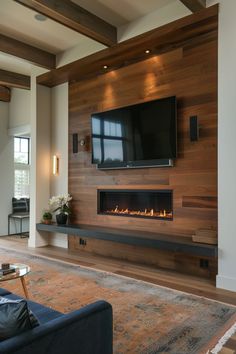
<point>105,67</point>
<point>147,51</point>
<point>55,165</point>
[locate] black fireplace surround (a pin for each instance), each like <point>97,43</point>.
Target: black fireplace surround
<point>155,204</point>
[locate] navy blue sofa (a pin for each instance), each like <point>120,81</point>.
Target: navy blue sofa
<point>84,331</point>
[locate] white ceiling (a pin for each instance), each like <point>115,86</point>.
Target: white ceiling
<point>18,22</point>
<point>120,12</point>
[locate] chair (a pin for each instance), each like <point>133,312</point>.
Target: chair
<point>20,211</point>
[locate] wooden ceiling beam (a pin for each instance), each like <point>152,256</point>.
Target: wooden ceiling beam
<point>5,94</point>
<point>11,79</point>
<point>27,52</point>
<point>76,18</point>
<point>194,5</point>
<point>160,40</point>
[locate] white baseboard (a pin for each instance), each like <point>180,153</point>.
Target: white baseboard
<point>37,240</point>
<point>227,283</point>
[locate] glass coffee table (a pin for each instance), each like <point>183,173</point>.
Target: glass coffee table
<point>21,271</point>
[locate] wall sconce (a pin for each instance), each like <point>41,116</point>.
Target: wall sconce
<point>55,165</point>
<point>79,145</point>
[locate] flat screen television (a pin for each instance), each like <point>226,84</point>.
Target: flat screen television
<point>140,135</point>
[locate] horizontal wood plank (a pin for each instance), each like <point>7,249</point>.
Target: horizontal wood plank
<point>199,202</point>
<point>194,5</point>
<point>27,52</point>
<point>76,18</point>
<point>11,79</point>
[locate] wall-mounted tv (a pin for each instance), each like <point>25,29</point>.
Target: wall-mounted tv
<point>140,135</point>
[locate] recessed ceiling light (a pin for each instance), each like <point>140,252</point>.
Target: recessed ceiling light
<point>147,51</point>
<point>105,67</point>
<point>40,17</point>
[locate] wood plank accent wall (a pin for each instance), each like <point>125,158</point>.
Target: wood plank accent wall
<point>188,72</point>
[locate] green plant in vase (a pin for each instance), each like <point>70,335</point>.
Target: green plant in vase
<point>47,217</point>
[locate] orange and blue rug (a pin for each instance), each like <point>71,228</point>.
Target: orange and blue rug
<point>148,319</point>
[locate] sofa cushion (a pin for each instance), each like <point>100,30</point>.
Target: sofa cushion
<point>15,318</point>
<point>44,314</point>
<point>33,319</point>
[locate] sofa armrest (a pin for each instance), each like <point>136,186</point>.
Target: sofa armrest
<point>84,331</point>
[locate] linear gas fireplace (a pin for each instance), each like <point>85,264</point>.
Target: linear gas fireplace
<point>136,203</point>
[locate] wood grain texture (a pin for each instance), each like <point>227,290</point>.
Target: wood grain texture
<point>185,31</point>
<point>76,18</point>
<point>194,172</point>
<point>161,259</point>
<point>11,79</point>
<point>27,52</point>
<point>200,202</point>
<point>192,77</point>
<point>194,5</point>
<point>5,94</point>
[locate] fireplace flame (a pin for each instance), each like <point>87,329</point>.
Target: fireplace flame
<point>146,212</point>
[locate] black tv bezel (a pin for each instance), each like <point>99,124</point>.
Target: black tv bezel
<point>163,162</point>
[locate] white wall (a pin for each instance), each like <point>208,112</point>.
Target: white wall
<point>18,125</point>
<point>19,112</point>
<point>59,147</point>
<point>227,145</point>
<point>40,157</point>
<point>16,116</point>
<point>19,108</point>
<point>49,136</point>
<point>6,170</point>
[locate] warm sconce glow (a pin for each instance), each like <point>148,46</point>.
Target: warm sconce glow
<point>55,165</point>
<point>147,51</point>
<point>105,67</point>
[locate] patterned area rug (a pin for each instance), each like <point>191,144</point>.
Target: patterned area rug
<point>148,319</point>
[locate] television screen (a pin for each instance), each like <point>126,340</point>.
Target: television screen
<point>135,135</point>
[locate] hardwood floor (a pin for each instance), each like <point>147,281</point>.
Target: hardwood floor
<point>190,284</point>
<point>230,347</point>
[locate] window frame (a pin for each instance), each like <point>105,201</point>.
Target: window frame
<point>28,153</point>
<point>22,165</point>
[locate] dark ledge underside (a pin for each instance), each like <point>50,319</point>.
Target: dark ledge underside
<point>144,239</point>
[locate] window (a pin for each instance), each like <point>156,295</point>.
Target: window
<point>21,150</point>
<point>108,140</point>
<point>21,163</point>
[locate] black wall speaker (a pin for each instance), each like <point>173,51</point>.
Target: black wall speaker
<point>75,143</point>
<point>193,128</point>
